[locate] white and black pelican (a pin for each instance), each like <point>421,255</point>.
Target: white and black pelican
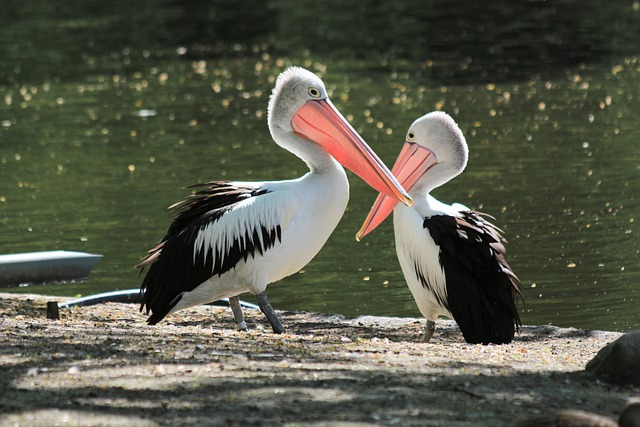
<point>452,258</point>
<point>234,237</point>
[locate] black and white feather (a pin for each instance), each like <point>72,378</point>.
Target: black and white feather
<point>481,288</point>
<point>212,232</point>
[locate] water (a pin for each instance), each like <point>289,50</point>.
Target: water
<point>105,116</point>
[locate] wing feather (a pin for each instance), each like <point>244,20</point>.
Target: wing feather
<point>481,286</point>
<point>213,229</point>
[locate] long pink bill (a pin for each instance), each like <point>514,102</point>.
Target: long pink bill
<point>412,162</point>
<point>319,121</point>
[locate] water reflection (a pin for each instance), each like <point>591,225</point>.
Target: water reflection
<point>471,42</point>
<point>546,93</point>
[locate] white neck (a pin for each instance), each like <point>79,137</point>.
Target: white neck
<point>437,176</point>
<point>316,158</point>
<point>427,206</point>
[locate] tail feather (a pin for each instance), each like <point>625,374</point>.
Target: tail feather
<point>155,318</point>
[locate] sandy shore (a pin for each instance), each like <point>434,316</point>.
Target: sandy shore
<point>102,366</point>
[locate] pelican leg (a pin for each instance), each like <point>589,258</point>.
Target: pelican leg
<point>234,303</point>
<point>428,333</point>
<point>265,307</point>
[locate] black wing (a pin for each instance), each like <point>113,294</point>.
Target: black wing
<point>177,266</point>
<point>481,287</point>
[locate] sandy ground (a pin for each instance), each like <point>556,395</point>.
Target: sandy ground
<point>103,366</point>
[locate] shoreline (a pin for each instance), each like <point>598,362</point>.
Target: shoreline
<point>102,365</point>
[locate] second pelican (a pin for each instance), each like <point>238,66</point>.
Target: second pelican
<point>452,257</point>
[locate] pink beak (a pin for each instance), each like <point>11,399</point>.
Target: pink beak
<point>322,123</point>
<point>413,161</point>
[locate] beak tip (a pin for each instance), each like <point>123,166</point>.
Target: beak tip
<point>408,201</point>
<point>358,236</point>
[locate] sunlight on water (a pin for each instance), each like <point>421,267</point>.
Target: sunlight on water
<point>105,133</point>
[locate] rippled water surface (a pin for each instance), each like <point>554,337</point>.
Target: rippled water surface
<point>105,116</point>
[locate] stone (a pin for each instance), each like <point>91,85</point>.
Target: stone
<point>619,361</point>
<point>630,417</point>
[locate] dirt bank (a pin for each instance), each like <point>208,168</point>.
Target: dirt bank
<point>102,366</point>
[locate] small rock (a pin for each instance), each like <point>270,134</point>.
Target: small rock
<point>571,418</point>
<point>630,417</point>
<point>159,371</point>
<point>619,362</point>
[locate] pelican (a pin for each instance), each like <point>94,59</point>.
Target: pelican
<point>228,238</point>
<point>452,257</point>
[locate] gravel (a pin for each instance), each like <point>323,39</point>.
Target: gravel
<point>103,366</point>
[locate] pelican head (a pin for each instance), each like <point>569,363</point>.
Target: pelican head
<point>434,152</point>
<point>294,87</point>
<point>300,111</point>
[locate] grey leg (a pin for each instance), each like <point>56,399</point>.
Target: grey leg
<point>428,333</point>
<point>265,307</point>
<point>234,302</point>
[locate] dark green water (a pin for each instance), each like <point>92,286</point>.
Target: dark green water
<point>107,112</point>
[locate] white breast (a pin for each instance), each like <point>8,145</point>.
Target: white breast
<point>318,201</point>
<point>323,200</point>
<point>419,255</point>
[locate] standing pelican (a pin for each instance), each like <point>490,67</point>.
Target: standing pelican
<point>452,258</point>
<point>233,237</point>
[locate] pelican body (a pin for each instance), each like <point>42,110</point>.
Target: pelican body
<point>452,257</point>
<point>228,238</point>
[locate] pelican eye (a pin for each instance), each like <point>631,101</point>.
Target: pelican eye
<point>411,136</point>
<point>314,93</point>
